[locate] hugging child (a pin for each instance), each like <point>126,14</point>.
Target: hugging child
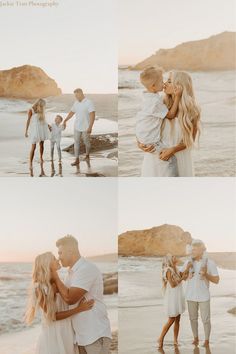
<point>153,112</point>
<point>56,129</point>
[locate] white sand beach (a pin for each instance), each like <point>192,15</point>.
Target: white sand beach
<point>141,312</point>
<point>15,148</point>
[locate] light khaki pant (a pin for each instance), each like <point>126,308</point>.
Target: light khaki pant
<point>86,138</point>
<point>101,346</point>
<point>205,311</point>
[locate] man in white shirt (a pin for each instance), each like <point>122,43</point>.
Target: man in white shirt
<point>84,111</point>
<point>202,271</point>
<point>84,280</point>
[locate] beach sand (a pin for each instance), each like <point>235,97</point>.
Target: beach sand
<point>142,315</point>
<point>15,148</point>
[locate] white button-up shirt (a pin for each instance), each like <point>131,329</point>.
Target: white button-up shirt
<point>90,325</point>
<point>197,289</point>
<point>149,119</point>
<point>82,110</point>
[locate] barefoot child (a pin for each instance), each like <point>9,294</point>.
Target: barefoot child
<point>154,111</point>
<point>173,296</point>
<point>56,129</point>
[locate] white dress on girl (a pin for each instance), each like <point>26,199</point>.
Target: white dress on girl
<point>174,300</point>
<point>39,130</point>
<point>57,337</point>
<point>153,166</point>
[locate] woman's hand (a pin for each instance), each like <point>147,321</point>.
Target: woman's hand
<point>178,90</point>
<point>85,305</point>
<point>146,148</point>
<point>166,154</point>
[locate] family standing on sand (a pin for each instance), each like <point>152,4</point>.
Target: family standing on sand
<point>166,129</point>
<point>74,316</point>
<point>197,272</point>
<point>40,131</point>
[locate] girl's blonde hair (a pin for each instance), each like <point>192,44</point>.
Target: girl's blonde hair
<point>188,110</point>
<point>168,265</point>
<point>41,292</point>
<point>39,108</point>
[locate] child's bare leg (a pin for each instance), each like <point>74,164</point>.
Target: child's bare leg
<point>41,145</point>
<point>165,329</point>
<point>176,329</point>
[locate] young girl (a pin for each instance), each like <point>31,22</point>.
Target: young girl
<point>57,334</point>
<point>39,131</point>
<point>173,297</point>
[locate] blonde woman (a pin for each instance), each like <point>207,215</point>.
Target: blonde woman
<point>57,336</point>
<point>173,297</point>
<point>39,131</point>
<point>180,133</point>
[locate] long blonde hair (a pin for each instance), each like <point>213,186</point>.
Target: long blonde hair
<point>168,265</point>
<point>41,291</point>
<point>39,108</point>
<point>188,110</point>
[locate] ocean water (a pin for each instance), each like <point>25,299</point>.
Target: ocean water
<point>15,279</point>
<point>142,312</point>
<point>138,272</point>
<point>14,147</point>
<point>216,95</point>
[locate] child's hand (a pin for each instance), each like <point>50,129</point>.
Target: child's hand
<point>178,90</point>
<point>26,134</point>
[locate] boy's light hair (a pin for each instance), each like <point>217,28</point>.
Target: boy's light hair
<point>151,75</point>
<point>68,241</point>
<point>78,90</point>
<point>198,243</point>
<point>58,116</point>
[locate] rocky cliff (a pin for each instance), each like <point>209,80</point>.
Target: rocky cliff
<point>27,82</point>
<point>157,241</point>
<point>215,53</point>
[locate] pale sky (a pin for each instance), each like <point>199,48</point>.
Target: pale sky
<point>34,214</point>
<point>145,26</point>
<point>206,207</point>
<point>75,43</point>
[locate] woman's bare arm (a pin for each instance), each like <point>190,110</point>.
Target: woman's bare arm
<point>173,284</point>
<point>28,123</point>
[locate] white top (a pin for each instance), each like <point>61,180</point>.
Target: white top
<point>56,132</point>
<point>82,110</point>
<point>149,119</point>
<point>90,325</point>
<point>197,289</point>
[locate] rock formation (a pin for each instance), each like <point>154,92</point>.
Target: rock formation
<point>157,241</point>
<point>215,53</point>
<point>110,283</point>
<point>27,82</point>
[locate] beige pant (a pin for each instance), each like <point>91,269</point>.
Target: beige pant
<point>205,311</point>
<point>101,346</point>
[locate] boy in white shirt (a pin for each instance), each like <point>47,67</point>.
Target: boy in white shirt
<point>149,120</point>
<point>56,129</point>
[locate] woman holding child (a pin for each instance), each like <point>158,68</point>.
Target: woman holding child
<point>179,134</point>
